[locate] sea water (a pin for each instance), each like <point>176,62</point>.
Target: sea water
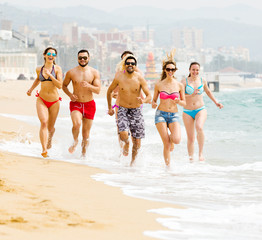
<point>222,196</point>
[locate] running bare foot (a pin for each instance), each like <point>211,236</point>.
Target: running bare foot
<point>72,148</point>
<point>201,158</point>
<point>44,154</point>
<point>50,137</point>
<point>191,159</point>
<point>167,162</point>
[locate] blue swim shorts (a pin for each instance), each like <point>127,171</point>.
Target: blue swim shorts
<point>168,117</point>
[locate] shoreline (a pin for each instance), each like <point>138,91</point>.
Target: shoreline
<point>46,198</point>
<point>50,199</point>
<point>39,200</point>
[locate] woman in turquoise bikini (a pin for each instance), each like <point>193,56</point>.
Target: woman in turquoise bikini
<point>194,113</point>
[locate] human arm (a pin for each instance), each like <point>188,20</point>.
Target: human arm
<point>95,86</point>
<point>66,82</point>
<point>58,80</point>
<point>35,83</point>
<point>115,93</point>
<point>146,91</point>
<point>211,96</point>
<point>110,89</point>
<point>182,100</point>
<point>155,97</point>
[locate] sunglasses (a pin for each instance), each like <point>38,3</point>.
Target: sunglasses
<point>80,58</point>
<point>170,69</point>
<point>49,54</point>
<point>131,63</point>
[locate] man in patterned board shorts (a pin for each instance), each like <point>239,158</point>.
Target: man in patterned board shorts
<point>129,114</point>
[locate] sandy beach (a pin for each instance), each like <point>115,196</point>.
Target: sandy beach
<point>49,199</point>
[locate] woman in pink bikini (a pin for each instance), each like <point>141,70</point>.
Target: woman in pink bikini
<point>171,93</point>
<point>47,103</point>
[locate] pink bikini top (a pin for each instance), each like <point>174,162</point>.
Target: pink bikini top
<point>165,95</point>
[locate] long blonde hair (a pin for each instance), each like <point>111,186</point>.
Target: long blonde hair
<point>170,59</point>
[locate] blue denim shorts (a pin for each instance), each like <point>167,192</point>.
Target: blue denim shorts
<point>168,117</point>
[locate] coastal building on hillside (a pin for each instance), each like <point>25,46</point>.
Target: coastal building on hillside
<point>189,38</point>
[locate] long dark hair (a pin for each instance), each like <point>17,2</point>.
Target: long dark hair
<point>163,74</point>
<point>50,48</point>
<point>191,64</point>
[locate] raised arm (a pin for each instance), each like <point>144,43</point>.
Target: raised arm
<point>95,87</point>
<point>211,96</point>
<point>58,81</point>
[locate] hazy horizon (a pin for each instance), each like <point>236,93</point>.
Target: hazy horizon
<point>115,4</point>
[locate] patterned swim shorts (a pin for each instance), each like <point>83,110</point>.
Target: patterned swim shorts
<point>131,119</point>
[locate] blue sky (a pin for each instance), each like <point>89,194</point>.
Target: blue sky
<point>109,5</point>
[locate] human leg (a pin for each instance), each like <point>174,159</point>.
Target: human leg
<point>137,129</point>
<point>76,117</point>
<point>53,113</point>
<point>125,139</point>
<point>135,148</point>
<point>123,128</point>
<point>121,143</point>
<point>42,112</point>
<point>200,121</point>
<point>174,127</point>
<point>163,132</point>
<point>175,134</point>
<point>190,130</point>
<point>87,124</point>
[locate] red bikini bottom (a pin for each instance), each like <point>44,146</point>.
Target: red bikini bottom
<point>48,104</point>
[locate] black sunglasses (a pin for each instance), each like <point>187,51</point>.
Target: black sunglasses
<point>170,69</point>
<point>131,63</point>
<point>80,58</point>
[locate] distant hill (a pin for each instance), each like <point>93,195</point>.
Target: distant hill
<point>238,25</point>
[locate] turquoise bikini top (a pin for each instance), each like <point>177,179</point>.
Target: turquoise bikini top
<point>190,90</point>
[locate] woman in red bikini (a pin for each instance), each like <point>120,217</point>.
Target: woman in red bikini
<point>171,93</point>
<point>47,103</point>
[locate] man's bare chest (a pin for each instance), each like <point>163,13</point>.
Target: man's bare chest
<point>80,77</point>
<point>130,86</point>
